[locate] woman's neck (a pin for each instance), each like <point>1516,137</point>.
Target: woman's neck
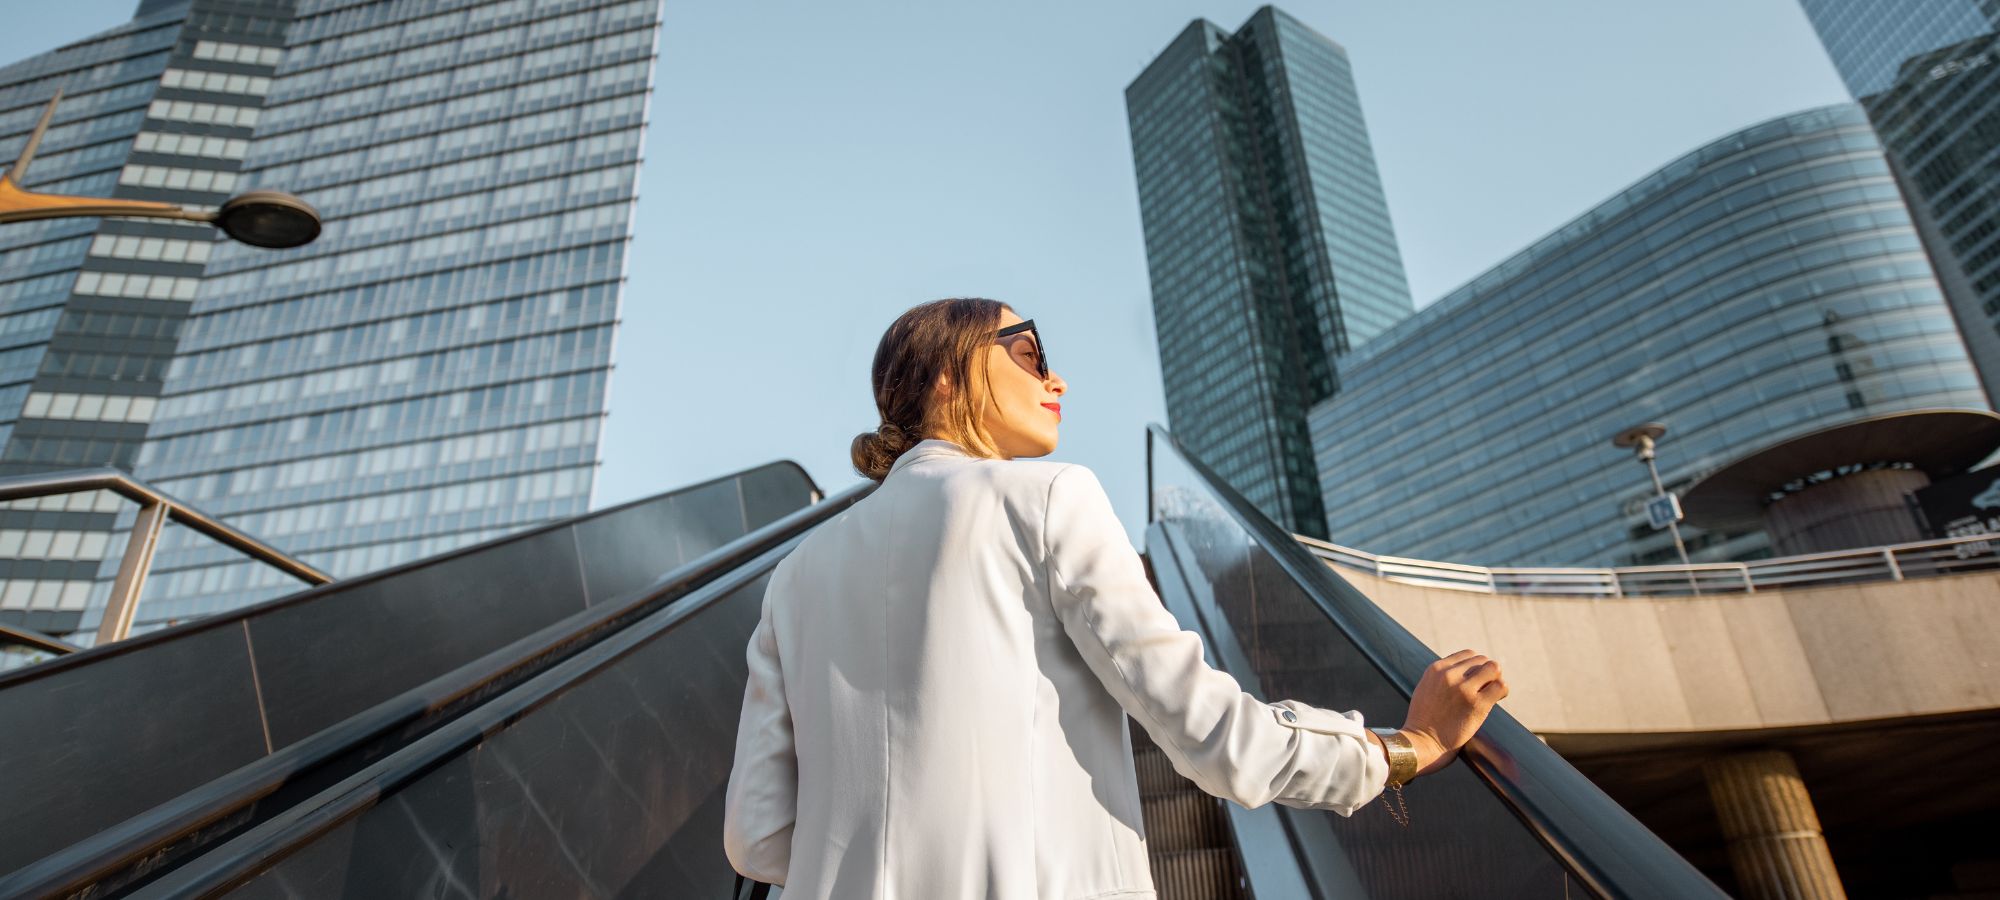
<point>962,445</point>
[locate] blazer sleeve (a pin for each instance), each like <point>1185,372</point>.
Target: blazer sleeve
<point>1226,741</point>
<point>761,803</point>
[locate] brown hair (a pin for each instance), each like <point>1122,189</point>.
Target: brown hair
<point>940,338</point>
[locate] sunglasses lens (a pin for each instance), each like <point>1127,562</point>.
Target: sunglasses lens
<point>1026,355</point>
<point>1025,346</point>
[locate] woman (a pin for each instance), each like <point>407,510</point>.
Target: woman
<point>940,679</point>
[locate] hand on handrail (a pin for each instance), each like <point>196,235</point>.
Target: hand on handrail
<point>1451,701</point>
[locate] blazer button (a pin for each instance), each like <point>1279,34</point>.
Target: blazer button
<point>1289,716</point>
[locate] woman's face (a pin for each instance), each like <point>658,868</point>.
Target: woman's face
<point>1025,410</point>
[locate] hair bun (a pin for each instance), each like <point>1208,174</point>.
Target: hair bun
<point>875,451</point>
<point>940,341</point>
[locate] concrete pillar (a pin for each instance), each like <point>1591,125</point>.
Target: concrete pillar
<point>1775,844</point>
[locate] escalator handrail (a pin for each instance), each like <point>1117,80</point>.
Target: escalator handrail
<point>245,856</point>
<point>137,847</point>
<point>230,618</point>
<point>1597,840</point>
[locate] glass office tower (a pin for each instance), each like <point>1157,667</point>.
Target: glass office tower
<point>1268,242</point>
<point>1928,72</point>
<point>433,370</point>
<point>1762,287</point>
<point>91,309</point>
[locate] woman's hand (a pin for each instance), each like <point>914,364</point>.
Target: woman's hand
<point>1450,703</point>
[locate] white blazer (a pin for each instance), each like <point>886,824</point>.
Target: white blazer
<point>938,691</point>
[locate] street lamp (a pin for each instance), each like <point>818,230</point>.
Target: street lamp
<point>259,218</point>
<point>1640,438</point>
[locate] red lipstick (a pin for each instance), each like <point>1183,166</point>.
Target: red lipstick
<point>1057,408</point>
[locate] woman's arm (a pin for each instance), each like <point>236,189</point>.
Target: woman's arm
<point>1226,741</point>
<point>762,801</point>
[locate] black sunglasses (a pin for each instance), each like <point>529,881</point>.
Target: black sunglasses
<point>1023,351</point>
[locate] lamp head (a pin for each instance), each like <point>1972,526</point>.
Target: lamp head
<point>1641,437</point>
<point>271,219</point>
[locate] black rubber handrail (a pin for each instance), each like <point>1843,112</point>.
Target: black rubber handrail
<point>267,844</point>
<point>233,617</point>
<point>1599,842</point>
<point>168,835</point>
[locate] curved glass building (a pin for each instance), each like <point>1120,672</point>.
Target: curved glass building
<point>1766,285</point>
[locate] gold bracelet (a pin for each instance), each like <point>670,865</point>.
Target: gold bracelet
<point>1402,755</point>
<point>1402,768</point>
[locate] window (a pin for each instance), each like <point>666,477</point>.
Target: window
<point>178,179</point>
<point>206,113</point>
<point>191,145</point>
<point>218,82</point>
<point>88,407</point>
<point>150,287</point>
<point>127,246</point>
<point>238,53</point>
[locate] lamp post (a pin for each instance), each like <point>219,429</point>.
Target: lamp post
<point>271,219</point>
<point>1641,438</point>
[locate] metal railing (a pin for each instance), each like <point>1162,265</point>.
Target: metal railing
<point>155,509</point>
<point>1895,562</point>
<point>34,640</point>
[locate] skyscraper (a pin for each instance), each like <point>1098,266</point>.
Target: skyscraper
<point>1268,242</point>
<point>1765,286</point>
<point>1928,72</point>
<point>429,373</point>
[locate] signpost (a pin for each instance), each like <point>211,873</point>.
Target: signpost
<point>1663,510</point>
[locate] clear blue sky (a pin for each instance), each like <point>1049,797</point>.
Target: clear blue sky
<point>813,169</point>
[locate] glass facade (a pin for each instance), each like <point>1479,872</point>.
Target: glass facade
<point>90,309</point>
<point>1766,285</point>
<point>1268,242</point>
<point>1928,72</point>
<point>433,370</point>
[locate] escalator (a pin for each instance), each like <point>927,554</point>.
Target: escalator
<point>1510,819</point>
<point>602,773</point>
<point>122,760</point>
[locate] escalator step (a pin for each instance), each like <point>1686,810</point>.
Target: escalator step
<point>1156,772</point>
<point>1184,820</point>
<point>1187,833</point>
<point>1197,875</point>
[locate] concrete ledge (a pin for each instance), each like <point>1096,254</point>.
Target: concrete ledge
<point>1732,662</point>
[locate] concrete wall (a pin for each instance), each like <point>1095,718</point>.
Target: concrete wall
<point>1810,656</point>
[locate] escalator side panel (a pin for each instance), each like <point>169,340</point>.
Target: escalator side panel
<point>91,741</point>
<point>315,668</point>
<point>623,554</point>
<point>610,787</point>
<point>82,738</point>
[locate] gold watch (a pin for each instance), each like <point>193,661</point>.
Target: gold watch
<point>1402,755</point>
